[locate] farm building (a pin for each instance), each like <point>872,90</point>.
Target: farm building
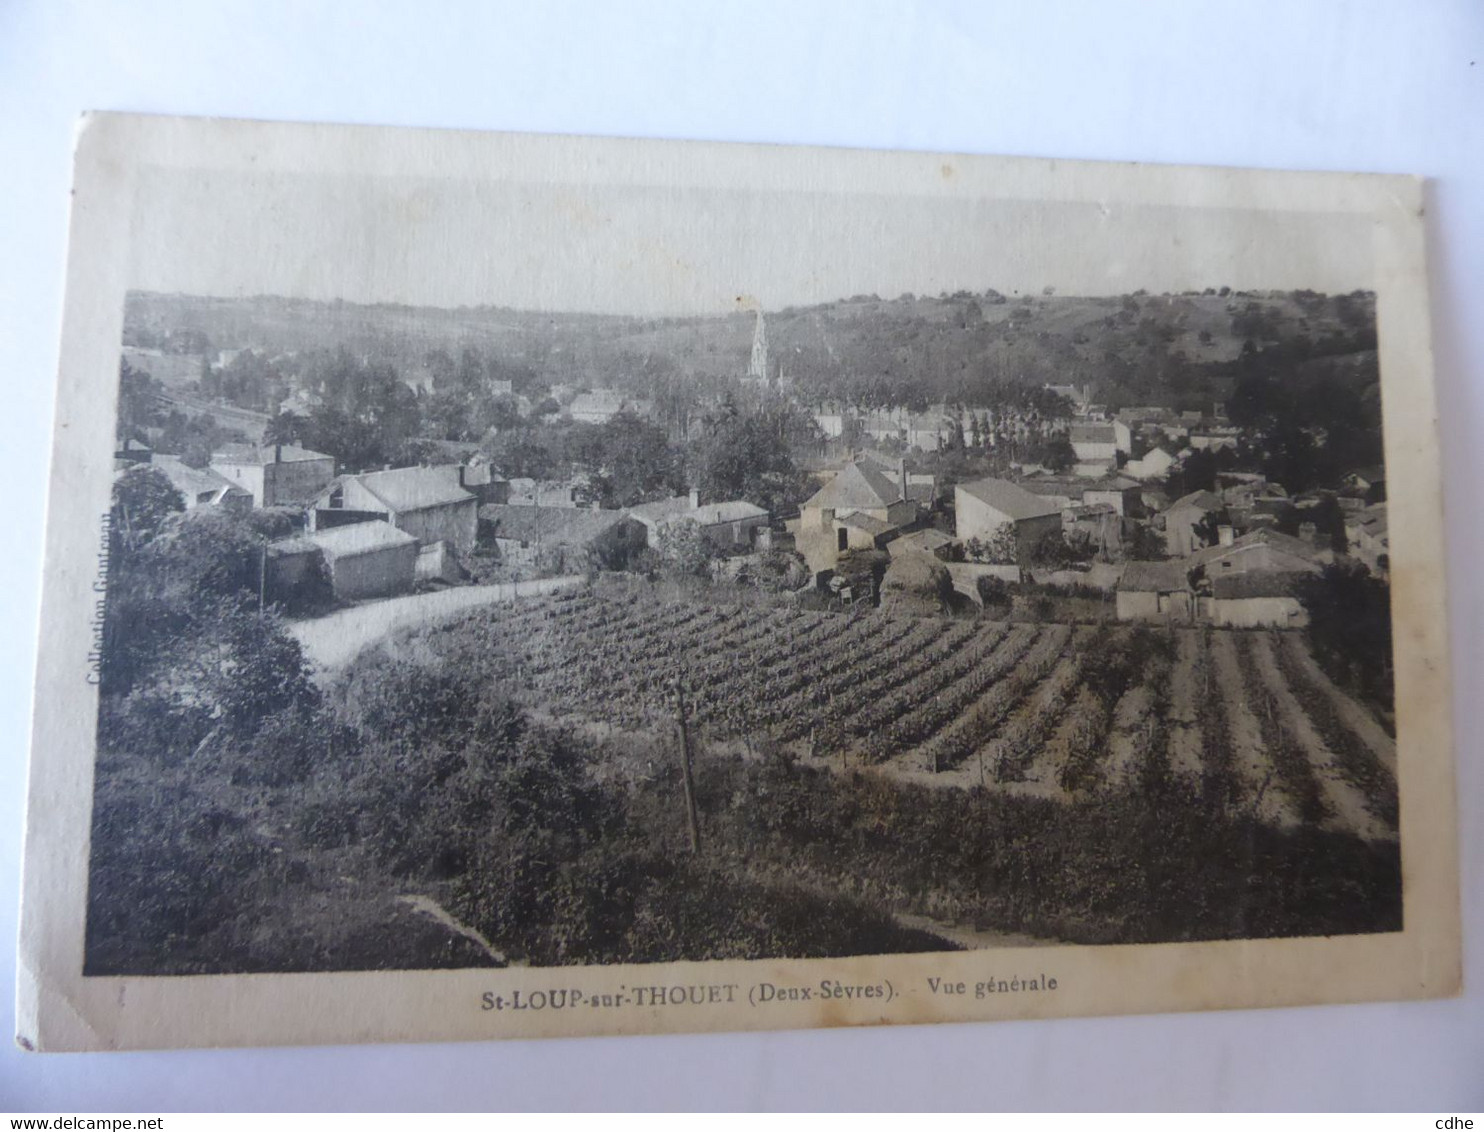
<point>859,489</point>
<point>1154,591</point>
<point>1260,551</point>
<point>922,487</point>
<point>602,405</point>
<point>276,475</point>
<point>561,539</point>
<point>427,503</point>
<point>365,560</point>
<point>1100,441</point>
<point>1248,582</point>
<point>731,526</point>
<point>1182,518</point>
<point>1258,599</point>
<point>656,514</point>
<point>202,487</point>
<point>860,531</point>
<point>981,508</point>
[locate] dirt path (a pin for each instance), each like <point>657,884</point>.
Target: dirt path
<point>975,939</point>
<point>1346,804</point>
<point>1186,683</point>
<point>335,640</point>
<point>1259,782</point>
<point>1354,715</point>
<point>429,907</point>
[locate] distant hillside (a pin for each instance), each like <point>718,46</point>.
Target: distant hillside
<point>1185,350</point>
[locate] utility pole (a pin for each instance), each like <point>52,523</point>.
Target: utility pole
<point>262,576</point>
<point>685,769</point>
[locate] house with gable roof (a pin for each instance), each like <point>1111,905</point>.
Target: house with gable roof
<point>427,503</point>
<point>984,506</point>
<point>860,508</point>
<point>731,526</point>
<point>1182,517</point>
<point>276,475</point>
<point>202,487</point>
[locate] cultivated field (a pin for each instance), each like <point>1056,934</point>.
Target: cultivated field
<point>1053,711</point>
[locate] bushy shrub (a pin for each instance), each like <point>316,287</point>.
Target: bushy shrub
<point>994,593</point>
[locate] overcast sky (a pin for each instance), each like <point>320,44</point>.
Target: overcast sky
<point>641,250</point>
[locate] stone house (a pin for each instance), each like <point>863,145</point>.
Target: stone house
<point>1154,591</point>
<point>367,560</point>
<point>1183,516</point>
<point>983,507</point>
<point>881,506</point>
<point>276,475</point>
<point>202,487</point>
<point>427,503</point>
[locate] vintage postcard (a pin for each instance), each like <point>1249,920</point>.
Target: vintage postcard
<point>513,586</point>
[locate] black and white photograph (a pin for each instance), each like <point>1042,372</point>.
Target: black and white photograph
<point>517,574</point>
<point>452,637</point>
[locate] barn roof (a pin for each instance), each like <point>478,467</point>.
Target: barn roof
<point>874,527</point>
<point>1009,499</point>
<point>930,539</point>
<point>412,489</point>
<point>1094,433</point>
<point>194,482</point>
<point>860,486</point>
<point>1255,583</point>
<point>1276,540</point>
<point>1153,577</point>
<point>661,509</point>
<point>360,538</point>
<point>731,511</point>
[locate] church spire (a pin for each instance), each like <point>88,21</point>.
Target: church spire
<point>758,367</point>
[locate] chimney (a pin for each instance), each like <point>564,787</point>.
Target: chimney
<point>462,469</point>
<point>695,498</point>
<point>1225,536</point>
<point>278,453</point>
<point>902,476</point>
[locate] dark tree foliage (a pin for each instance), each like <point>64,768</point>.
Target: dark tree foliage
<point>1350,628</point>
<point>143,499</point>
<point>365,412</point>
<point>138,407</point>
<point>1208,527</point>
<point>748,456</point>
<point>630,461</point>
